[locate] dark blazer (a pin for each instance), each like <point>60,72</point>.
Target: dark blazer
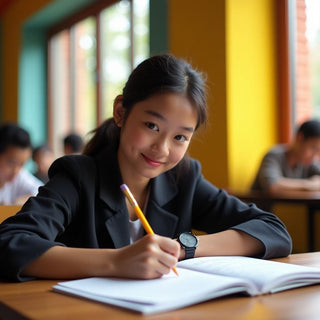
<point>82,206</point>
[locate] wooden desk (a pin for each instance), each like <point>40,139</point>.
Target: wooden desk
<point>36,300</point>
<point>310,199</point>
<point>8,211</point>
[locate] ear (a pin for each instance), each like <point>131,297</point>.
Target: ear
<point>118,111</point>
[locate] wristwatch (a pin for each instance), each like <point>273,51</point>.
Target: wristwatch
<point>189,242</point>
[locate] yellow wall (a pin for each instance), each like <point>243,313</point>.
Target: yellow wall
<point>197,33</point>
<point>233,42</point>
<point>251,86</point>
<point>11,23</point>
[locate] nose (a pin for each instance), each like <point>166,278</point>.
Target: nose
<point>161,146</point>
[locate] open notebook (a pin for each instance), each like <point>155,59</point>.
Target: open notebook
<point>199,279</point>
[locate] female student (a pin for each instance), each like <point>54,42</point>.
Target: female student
<point>80,224</point>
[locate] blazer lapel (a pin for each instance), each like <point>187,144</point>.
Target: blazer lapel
<point>114,207</point>
<point>114,210</point>
<point>118,228</point>
<point>163,190</point>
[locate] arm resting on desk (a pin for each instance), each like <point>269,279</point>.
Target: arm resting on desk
<point>229,242</point>
<point>311,184</point>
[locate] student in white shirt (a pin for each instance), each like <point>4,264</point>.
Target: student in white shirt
<point>16,183</point>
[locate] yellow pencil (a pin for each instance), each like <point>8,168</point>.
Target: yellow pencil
<point>139,213</point>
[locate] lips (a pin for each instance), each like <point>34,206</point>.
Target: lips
<point>151,162</point>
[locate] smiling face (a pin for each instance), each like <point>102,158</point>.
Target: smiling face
<point>155,136</point>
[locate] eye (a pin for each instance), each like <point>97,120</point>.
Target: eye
<point>152,126</point>
<point>181,138</point>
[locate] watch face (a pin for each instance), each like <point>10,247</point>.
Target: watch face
<point>188,240</point>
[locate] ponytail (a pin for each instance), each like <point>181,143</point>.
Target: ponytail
<point>107,134</point>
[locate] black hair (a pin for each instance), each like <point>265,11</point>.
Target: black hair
<point>158,74</point>
<point>12,135</point>
<point>74,141</point>
<point>310,129</point>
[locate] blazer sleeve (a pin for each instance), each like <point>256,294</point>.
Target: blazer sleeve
<point>35,229</point>
<point>214,210</point>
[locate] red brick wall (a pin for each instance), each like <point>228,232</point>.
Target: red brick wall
<point>302,77</point>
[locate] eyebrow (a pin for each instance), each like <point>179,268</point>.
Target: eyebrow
<point>161,117</point>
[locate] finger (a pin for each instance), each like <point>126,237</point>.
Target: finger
<point>170,246</point>
<point>162,252</point>
<point>167,262</point>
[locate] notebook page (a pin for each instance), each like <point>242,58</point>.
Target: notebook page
<point>149,296</point>
<point>264,273</point>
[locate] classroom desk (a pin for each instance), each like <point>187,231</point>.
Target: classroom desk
<point>310,199</point>
<point>7,211</point>
<point>36,300</point>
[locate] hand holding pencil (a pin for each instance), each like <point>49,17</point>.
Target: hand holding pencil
<point>139,213</point>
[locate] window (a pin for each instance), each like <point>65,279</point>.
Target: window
<point>313,38</point>
<point>89,62</point>
<point>305,60</point>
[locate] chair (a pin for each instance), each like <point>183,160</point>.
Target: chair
<point>8,211</point>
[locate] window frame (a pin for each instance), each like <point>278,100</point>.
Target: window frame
<point>284,71</point>
<point>93,10</point>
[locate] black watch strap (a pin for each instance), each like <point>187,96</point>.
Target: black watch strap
<point>189,252</point>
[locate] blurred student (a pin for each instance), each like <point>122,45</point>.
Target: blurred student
<point>16,183</point>
<point>292,166</point>
<point>43,157</point>
<point>72,144</point>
